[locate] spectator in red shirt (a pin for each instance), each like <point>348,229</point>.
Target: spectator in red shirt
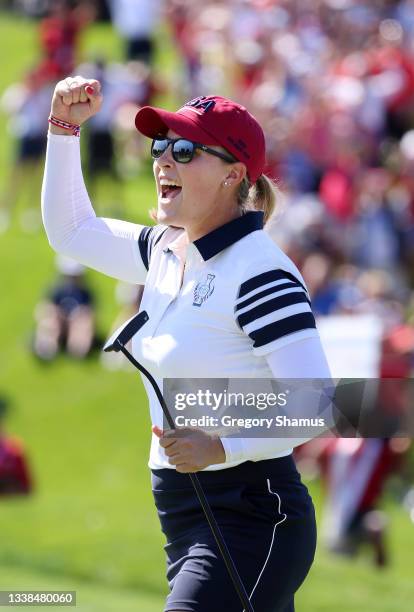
<point>14,473</point>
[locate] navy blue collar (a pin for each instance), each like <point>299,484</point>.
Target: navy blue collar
<point>229,233</point>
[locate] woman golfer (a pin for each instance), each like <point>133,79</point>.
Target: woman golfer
<point>223,302</point>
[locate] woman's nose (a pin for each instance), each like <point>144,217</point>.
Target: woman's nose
<point>164,162</point>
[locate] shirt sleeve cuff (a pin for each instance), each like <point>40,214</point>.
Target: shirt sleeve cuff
<point>234,449</point>
<point>62,138</point>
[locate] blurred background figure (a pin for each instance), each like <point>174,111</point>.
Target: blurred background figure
<point>137,85</point>
<point>113,150</point>
<point>28,104</point>
<point>15,478</point>
<point>59,33</point>
<point>65,318</point>
<point>181,17</point>
<point>355,472</point>
<point>136,22</point>
<point>104,181</point>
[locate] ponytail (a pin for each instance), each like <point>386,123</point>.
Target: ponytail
<point>262,195</point>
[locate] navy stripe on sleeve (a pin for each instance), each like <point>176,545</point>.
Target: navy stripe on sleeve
<point>269,313</point>
<point>263,279</point>
<point>147,240</point>
<point>277,330</point>
<point>262,294</point>
<point>143,241</point>
<point>289,299</point>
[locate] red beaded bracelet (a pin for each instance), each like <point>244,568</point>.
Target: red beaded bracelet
<point>71,127</point>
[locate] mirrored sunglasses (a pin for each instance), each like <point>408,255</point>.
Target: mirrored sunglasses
<point>183,150</point>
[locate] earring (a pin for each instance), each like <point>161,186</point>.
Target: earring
<point>225,183</point>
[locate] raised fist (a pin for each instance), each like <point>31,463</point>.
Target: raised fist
<point>76,99</point>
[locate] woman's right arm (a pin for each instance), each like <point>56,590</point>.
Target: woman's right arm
<point>73,229</point>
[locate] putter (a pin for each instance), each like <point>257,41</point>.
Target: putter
<point>117,343</point>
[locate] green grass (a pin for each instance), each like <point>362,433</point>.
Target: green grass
<point>90,524</point>
<point>90,596</point>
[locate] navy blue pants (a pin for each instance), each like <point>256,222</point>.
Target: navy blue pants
<point>267,519</point>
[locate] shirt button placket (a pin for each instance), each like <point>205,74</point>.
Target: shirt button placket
<point>174,289</point>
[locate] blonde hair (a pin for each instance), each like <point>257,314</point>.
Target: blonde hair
<point>262,195</point>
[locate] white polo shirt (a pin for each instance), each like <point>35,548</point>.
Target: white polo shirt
<point>219,307</point>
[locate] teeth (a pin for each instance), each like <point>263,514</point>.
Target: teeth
<point>166,183</point>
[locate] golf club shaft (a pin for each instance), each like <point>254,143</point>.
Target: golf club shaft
<point>218,536</point>
<point>221,543</point>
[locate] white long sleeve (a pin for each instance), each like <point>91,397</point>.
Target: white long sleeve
<point>73,229</point>
<point>298,360</point>
<point>302,359</point>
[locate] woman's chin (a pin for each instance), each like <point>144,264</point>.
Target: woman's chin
<point>165,215</point>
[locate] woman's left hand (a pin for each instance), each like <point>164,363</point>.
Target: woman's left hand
<point>190,449</point>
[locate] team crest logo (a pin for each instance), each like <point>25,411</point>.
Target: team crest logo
<point>203,290</point>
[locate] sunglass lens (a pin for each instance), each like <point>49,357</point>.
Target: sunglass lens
<point>183,151</point>
<point>158,147</point>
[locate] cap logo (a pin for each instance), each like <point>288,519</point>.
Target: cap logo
<point>240,145</point>
<point>200,105</point>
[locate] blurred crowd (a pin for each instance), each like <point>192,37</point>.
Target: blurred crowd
<point>332,83</point>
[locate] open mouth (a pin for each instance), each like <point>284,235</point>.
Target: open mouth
<point>168,192</point>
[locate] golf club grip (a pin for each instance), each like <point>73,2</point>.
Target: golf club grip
<point>218,536</point>
<point>221,543</point>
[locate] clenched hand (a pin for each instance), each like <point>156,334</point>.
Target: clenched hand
<point>190,449</point>
<point>75,100</point>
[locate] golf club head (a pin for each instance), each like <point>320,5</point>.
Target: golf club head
<point>124,333</point>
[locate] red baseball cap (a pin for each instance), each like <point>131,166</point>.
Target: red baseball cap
<point>211,120</point>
